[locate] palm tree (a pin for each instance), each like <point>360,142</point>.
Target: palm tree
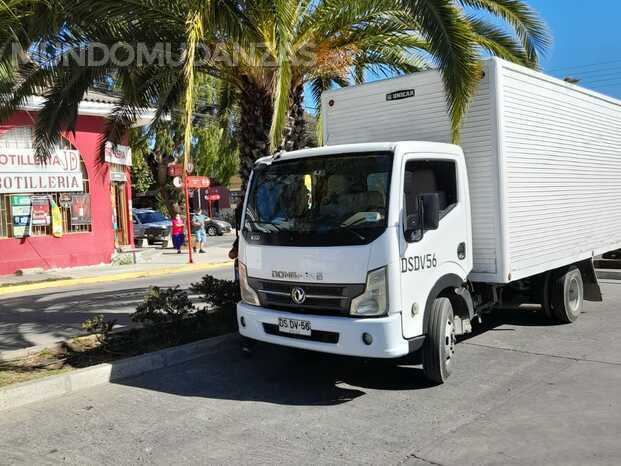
<point>18,26</point>
<point>320,43</point>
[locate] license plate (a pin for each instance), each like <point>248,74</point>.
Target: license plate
<point>294,326</point>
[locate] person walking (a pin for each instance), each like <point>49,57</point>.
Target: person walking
<point>198,228</point>
<point>178,236</point>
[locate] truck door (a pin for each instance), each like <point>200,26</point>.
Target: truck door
<point>430,255</point>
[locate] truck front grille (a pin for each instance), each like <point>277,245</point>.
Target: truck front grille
<point>323,299</point>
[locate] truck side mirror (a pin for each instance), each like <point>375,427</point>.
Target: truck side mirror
<point>431,210</point>
<point>426,217</point>
<point>413,227</point>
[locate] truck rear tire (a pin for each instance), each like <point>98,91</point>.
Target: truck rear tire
<point>568,295</point>
<point>439,346</point>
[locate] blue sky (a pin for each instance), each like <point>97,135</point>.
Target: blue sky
<point>587,41</point>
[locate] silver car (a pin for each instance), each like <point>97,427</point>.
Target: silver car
<point>151,224</point>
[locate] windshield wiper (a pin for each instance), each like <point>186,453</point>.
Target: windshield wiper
<point>357,222</point>
<point>355,233</point>
<point>266,223</point>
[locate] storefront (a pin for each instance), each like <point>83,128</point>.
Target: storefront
<point>72,211</point>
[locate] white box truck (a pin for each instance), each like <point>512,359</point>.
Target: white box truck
<point>382,249</point>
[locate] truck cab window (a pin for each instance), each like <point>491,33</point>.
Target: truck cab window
<point>334,200</point>
<point>426,177</point>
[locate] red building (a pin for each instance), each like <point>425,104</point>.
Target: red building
<point>72,211</point>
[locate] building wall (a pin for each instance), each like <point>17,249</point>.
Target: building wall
<point>73,249</point>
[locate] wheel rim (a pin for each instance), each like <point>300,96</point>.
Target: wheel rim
<point>212,231</point>
<point>574,294</point>
<point>449,340</point>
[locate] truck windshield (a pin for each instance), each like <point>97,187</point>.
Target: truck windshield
<point>319,201</point>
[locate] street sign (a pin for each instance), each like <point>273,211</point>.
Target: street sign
<point>177,182</point>
<point>118,177</point>
<point>198,182</point>
<point>213,197</point>
<point>175,169</point>
<point>118,154</point>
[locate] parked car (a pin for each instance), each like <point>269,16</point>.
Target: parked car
<point>151,224</point>
<point>215,227</point>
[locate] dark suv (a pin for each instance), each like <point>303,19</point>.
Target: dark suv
<point>151,224</point>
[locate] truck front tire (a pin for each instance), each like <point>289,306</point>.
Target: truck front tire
<point>439,346</point>
<point>568,295</point>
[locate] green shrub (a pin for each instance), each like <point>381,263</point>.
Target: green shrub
<point>161,306</point>
<point>99,326</point>
<point>219,294</point>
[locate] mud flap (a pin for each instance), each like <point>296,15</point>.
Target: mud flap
<point>592,291</point>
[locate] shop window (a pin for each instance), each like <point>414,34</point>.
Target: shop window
<point>21,138</point>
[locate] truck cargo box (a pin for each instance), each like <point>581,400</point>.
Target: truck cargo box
<point>543,155</point>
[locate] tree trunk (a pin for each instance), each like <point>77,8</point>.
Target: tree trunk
<point>295,131</point>
<point>169,196</point>
<point>254,127</point>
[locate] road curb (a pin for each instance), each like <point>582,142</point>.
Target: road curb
<point>15,396</point>
<point>11,289</point>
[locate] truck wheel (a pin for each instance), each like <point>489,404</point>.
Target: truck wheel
<point>439,346</point>
<point>568,295</point>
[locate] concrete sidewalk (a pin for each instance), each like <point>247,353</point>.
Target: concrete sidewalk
<point>161,262</point>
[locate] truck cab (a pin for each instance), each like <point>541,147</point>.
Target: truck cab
<point>359,250</point>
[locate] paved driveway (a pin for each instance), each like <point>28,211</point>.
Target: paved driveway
<point>523,392</point>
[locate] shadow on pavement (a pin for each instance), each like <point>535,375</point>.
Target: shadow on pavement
<point>279,375</point>
<point>59,315</point>
<point>285,376</point>
<point>533,317</point>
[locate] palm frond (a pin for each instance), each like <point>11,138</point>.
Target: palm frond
<point>498,42</point>
<point>452,43</point>
<point>527,24</point>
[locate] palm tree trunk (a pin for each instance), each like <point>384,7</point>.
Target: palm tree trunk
<point>255,122</point>
<point>295,131</point>
<point>157,162</point>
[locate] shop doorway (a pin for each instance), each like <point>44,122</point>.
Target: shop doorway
<point>120,214</point>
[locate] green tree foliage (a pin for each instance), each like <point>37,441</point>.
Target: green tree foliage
<point>265,52</point>
<point>214,153</point>
<point>142,177</point>
<point>213,149</point>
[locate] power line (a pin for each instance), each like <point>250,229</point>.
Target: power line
<point>590,73</point>
<point>583,66</point>
<point>611,78</point>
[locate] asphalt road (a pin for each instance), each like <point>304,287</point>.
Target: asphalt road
<point>523,392</point>
<point>49,315</point>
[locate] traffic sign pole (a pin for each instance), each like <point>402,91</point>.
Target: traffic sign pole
<point>188,221</point>
<point>209,203</point>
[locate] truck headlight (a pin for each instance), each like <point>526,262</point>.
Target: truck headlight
<point>374,300</point>
<point>248,295</point>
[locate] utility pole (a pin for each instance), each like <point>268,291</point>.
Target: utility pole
<point>188,220</point>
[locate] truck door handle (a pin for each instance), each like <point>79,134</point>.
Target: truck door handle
<point>461,251</point>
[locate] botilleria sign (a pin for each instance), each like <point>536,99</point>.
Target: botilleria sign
<point>20,172</point>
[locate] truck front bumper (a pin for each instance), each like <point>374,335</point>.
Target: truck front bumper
<point>336,335</point>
